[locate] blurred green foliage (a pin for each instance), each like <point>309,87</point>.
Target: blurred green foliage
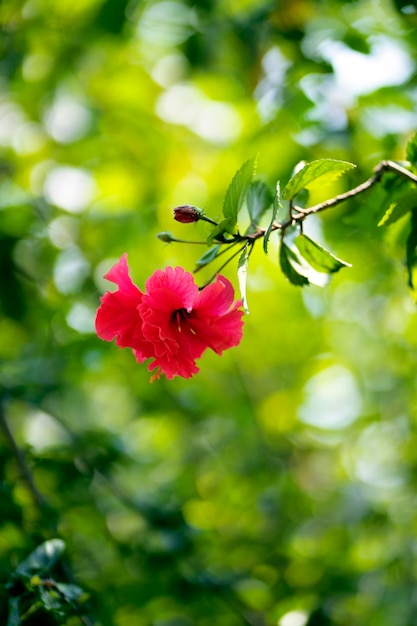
<point>278,486</point>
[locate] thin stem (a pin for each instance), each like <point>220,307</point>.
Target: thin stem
<point>232,243</point>
<point>25,472</point>
<point>394,167</point>
<point>200,243</point>
<point>224,265</point>
<point>175,240</point>
<point>209,220</point>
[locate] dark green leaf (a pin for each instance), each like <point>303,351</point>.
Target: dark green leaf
<point>208,256</point>
<point>356,41</point>
<point>277,205</point>
<point>112,16</point>
<point>14,617</point>
<point>71,593</point>
<point>242,271</point>
<point>291,267</point>
<point>259,198</point>
<point>318,257</point>
<point>411,251</point>
<point>43,558</point>
<point>325,169</point>
<point>237,190</point>
<point>225,226</point>
<point>51,600</point>
<point>402,205</point>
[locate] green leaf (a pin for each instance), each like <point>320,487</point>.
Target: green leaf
<point>71,593</point>
<point>402,205</point>
<point>52,601</point>
<point>242,270</point>
<point>411,150</point>
<point>208,256</point>
<point>14,616</point>
<point>236,193</point>
<point>259,198</point>
<point>277,205</point>
<point>225,226</point>
<point>318,257</point>
<point>411,251</point>
<point>325,169</point>
<point>43,558</point>
<point>291,267</point>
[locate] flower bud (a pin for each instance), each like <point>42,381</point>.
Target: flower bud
<point>166,236</point>
<point>187,214</point>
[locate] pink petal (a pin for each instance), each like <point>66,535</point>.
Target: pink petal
<point>172,323</point>
<point>219,333</point>
<point>119,274</point>
<point>217,298</point>
<point>118,314</point>
<point>176,280</point>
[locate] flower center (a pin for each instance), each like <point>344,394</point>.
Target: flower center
<point>178,318</point>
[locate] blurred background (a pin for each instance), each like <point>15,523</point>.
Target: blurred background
<point>278,486</point>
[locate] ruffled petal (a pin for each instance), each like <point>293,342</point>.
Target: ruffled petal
<point>175,280</point>
<point>118,314</point>
<point>221,333</point>
<point>217,298</point>
<point>185,368</point>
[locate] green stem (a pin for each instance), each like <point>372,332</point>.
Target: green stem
<point>224,264</point>
<point>379,170</point>
<point>233,243</point>
<point>25,472</point>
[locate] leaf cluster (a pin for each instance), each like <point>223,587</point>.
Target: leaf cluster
<point>35,591</point>
<point>302,260</point>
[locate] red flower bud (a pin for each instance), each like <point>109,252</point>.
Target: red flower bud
<point>187,214</point>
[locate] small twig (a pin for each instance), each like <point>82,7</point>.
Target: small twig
<point>233,243</point>
<point>224,264</point>
<point>379,170</point>
<point>205,218</point>
<point>398,169</point>
<point>384,166</point>
<point>21,461</point>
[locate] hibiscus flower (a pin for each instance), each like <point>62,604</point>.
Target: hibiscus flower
<point>173,322</point>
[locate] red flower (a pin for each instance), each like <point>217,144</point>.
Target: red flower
<point>173,322</point>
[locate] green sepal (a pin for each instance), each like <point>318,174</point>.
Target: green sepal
<point>166,236</point>
<point>318,257</point>
<point>325,169</point>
